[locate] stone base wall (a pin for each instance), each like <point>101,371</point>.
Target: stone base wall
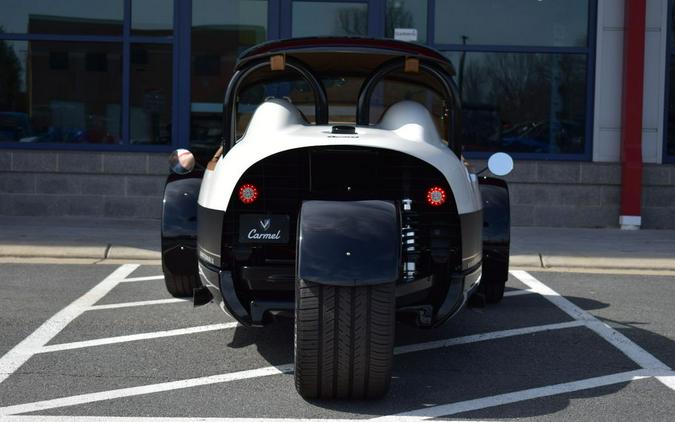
<point>58,183</point>
<point>130,185</point>
<point>582,194</point>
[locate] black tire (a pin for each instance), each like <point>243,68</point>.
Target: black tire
<point>344,340</point>
<point>180,285</point>
<point>495,275</point>
<point>492,290</point>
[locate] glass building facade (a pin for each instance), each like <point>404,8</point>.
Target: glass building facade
<point>150,75</point>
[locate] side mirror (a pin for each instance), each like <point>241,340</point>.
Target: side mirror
<point>181,161</point>
<point>500,164</point>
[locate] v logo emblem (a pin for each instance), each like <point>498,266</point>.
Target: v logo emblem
<point>265,224</point>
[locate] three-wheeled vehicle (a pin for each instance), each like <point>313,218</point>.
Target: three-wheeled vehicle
<point>339,196</point>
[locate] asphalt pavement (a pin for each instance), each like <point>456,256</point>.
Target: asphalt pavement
<point>92,342</point>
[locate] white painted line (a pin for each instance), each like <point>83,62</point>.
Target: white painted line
<point>518,396</point>
<point>40,418</point>
<point>616,339</point>
<point>518,292</point>
<point>135,337</point>
<point>133,304</point>
<point>144,389</point>
<point>152,277</point>
<point>483,337</point>
<point>668,380</point>
<point>262,372</point>
<point>23,351</point>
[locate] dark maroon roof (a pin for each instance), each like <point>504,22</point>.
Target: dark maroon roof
<point>343,45</point>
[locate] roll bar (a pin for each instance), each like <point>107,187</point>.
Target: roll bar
<point>450,96</point>
<point>229,118</point>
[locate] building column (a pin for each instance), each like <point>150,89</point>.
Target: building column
<point>631,133</point>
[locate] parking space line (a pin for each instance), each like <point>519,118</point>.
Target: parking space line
<point>135,337</point>
<point>616,339</point>
<point>518,396</point>
<point>40,418</point>
<point>518,292</point>
<point>144,389</point>
<point>133,304</point>
<point>23,351</point>
<point>483,337</point>
<point>254,373</point>
<point>668,380</point>
<point>149,278</point>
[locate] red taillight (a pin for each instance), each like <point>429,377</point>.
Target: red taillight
<point>248,193</point>
<point>436,196</point>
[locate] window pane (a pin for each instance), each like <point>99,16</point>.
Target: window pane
<point>91,17</point>
<point>409,14</point>
<point>512,22</point>
<point>62,92</point>
<point>150,114</point>
<point>670,146</point>
<point>221,30</point>
<point>152,17</point>
<point>522,102</point>
<point>312,19</point>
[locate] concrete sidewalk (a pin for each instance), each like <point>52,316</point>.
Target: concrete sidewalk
<point>98,240</point>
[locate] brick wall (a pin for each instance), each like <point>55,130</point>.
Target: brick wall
<point>582,194</point>
<point>57,183</point>
<point>129,185</point>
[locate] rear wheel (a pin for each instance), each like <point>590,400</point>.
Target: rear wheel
<point>344,340</point>
<point>495,275</point>
<point>492,290</point>
<point>180,285</point>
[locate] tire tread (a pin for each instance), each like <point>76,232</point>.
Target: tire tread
<point>344,340</point>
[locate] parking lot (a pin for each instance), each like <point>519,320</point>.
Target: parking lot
<point>91,342</point>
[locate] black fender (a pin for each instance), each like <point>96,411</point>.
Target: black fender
<point>496,228</point>
<point>179,223</point>
<point>349,243</point>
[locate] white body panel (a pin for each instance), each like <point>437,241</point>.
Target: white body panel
<point>277,126</point>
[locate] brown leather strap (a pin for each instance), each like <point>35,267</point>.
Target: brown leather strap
<point>278,62</point>
<point>412,65</point>
<point>214,160</point>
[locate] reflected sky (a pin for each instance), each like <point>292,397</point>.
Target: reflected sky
<point>512,22</point>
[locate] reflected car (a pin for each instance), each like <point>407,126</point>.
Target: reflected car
<point>345,226</point>
<point>14,127</point>
<point>538,137</point>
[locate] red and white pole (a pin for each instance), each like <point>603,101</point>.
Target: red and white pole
<point>631,133</point>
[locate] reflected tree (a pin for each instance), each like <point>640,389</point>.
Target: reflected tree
<point>353,21</point>
<point>397,17</point>
<point>10,76</point>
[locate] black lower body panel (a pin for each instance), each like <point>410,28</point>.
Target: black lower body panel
<point>259,309</point>
<point>254,313</point>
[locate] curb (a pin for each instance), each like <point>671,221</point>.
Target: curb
<point>115,253</point>
<point>596,262</point>
<point>97,252</point>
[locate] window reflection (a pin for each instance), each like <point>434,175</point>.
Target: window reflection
<point>152,17</point>
<point>670,146</point>
<point>522,102</point>
<point>150,113</point>
<point>406,14</point>
<point>512,22</point>
<point>65,92</point>
<point>312,19</point>
<point>91,17</point>
<point>221,30</point>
